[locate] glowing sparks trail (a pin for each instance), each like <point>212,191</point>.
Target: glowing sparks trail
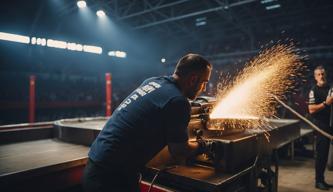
<point>274,71</point>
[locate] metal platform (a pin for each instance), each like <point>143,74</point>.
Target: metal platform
<point>17,158</point>
<point>33,158</point>
<point>34,164</point>
<point>80,130</point>
<point>202,178</point>
<point>56,160</point>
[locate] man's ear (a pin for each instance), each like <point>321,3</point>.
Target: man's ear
<point>193,78</point>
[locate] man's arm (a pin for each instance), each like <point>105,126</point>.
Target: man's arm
<point>329,99</point>
<point>314,108</point>
<point>177,116</point>
<point>183,151</point>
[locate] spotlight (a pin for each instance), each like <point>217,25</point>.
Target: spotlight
<point>43,42</point>
<point>56,44</point>
<point>120,54</point>
<point>14,38</point>
<point>79,47</point>
<point>74,47</point>
<point>33,40</point>
<point>92,49</point>
<point>39,41</point>
<point>100,13</point>
<point>81,4</point>
<point>273,7</point>
<point>71,46</point>
<point>163,60</point>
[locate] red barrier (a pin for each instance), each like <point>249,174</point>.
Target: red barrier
<point>108,80</point>
<point>144,187</point>
<point>32,105</point>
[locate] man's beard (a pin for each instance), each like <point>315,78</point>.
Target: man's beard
<point>322,82</point>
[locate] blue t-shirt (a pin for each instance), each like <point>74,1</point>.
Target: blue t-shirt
<point>154,114</point>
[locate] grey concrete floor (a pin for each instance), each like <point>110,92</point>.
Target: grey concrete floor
<point>298,175</point>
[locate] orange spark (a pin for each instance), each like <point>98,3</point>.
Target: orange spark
<point>273,72</point>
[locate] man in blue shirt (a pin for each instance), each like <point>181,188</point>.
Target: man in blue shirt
<point>153,116</point>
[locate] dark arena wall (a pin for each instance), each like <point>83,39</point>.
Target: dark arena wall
<point>65,67</point>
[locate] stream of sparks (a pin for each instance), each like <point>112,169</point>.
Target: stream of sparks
<point>273,72</point>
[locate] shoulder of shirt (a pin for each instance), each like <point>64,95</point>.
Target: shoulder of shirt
<point>179,99</point>
<point>158,78</point>
<point>313,87</point>
<point>150,79</point>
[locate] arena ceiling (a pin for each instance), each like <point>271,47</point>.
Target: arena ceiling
<point>248,23</point>
<point>218,18</point>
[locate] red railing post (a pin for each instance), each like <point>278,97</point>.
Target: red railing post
<point>108,80</point>
<point>32,104</point>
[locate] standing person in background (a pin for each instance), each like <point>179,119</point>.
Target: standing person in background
<point>319,108</point>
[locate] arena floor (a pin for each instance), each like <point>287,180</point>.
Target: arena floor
<point>298,175</point>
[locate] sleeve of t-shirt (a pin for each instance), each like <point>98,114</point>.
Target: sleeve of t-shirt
<point>176,117</point>
<point>330,92</point>
<point>312,99</point>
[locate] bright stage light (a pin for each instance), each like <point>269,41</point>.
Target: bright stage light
<point>273,7</point>
<point>79,47</point>
<point>56,44</point>
<point>71,46</point>
<point>33,40</point>
<point>100,13</point>
<point>14,38</point>
<point>112,53</point>
<point>120,54</point>
<point>163,60</point>
<point>81,4</point>
<point>41,41</point>
<point>92,49</point>
<point>74,47</point>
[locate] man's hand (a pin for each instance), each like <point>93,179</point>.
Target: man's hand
<point>329,100</point>
<point>182,151</point>
<point>207,146</point>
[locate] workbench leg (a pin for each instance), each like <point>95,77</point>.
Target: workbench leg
<point>292,150</point>
<point>276,165</point>
<point>253,180</point>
